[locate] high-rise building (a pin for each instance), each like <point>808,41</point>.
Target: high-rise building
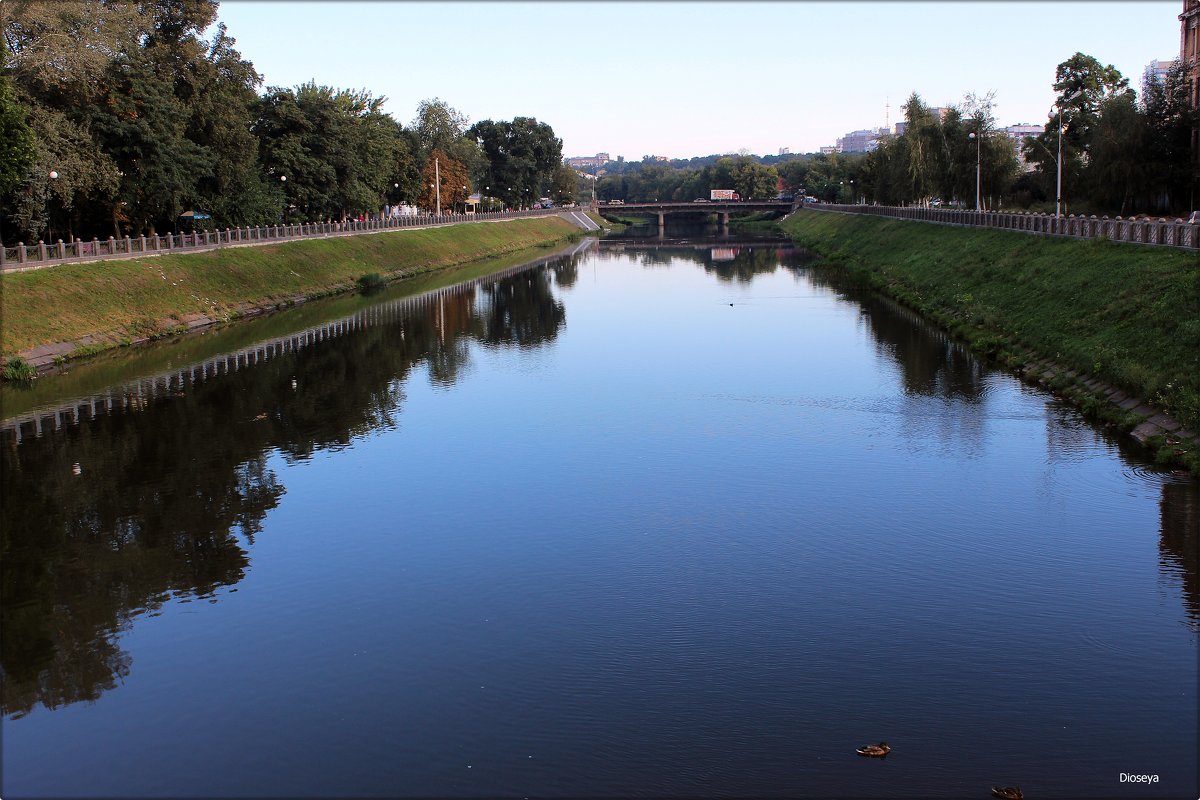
<point>1019,133</point>
<point>1157,70</point>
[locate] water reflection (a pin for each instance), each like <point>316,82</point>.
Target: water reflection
<point>1179,541</point>
<point>933,366</point>
<point>174,485</point>
<point>161,497</point>
<point>728,261</point>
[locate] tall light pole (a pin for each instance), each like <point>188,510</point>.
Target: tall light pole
<point>437,177</point>
<point>978,163</point>
<point>1058,192</point>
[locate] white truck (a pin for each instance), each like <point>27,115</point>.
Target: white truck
<point>723,194</point>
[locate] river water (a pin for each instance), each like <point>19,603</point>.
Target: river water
<point>657,518</point>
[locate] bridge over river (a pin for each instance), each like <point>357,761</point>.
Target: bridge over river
<point>722,208</point>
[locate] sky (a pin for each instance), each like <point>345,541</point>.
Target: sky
<point>682,79</point>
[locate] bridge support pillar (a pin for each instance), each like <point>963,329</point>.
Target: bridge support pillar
<point>661,220</point>
<point>724,219</point>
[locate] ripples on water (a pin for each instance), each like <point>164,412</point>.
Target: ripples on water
<point>691,522</point>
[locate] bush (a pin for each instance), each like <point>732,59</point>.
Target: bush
<point>17,369</point>
<point>371,282</point>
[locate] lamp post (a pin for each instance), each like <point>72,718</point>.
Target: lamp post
<point>283,183</point>
<point>1058,192</point>
<point>978,163</point>
<point>437,178</point>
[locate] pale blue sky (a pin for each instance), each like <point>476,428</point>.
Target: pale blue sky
<point>681,79</point>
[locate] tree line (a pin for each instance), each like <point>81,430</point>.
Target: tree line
<point>119,117</point>
<point>1122,153</point>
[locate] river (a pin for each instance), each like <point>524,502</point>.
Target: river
<point>687,517</point>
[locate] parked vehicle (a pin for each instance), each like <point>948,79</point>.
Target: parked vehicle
<point>723,194</point>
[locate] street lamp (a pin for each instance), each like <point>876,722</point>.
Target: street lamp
<point>1058,192</point>
<point>978,162</point>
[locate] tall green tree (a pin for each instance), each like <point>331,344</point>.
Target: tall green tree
<point>521,157</point>
<point>438,126</point>
<point>1084,86</point>
<point>17,150</point>
<point>231,187</point>
<point>1170,172</point>
<point>334,153</point>
<point>144,129</point>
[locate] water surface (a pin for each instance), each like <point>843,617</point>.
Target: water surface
<point>657,518</point>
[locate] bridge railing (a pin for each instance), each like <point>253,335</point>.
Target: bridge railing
<point>31,256</point>
<point>1137,230</point>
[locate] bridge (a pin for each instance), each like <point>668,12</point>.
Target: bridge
<point>723,208</point>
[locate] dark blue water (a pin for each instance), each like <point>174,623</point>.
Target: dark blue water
<point>647,521</point>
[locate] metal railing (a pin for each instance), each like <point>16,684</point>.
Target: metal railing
<point>1141,230</point>
<point>32,256</point>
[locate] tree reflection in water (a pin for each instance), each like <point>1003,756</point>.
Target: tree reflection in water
<point>170,494</point>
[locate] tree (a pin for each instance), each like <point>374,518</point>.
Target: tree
<point>17,149</point>
<point>449,177</point>
<point>927,153</point>
<point>438,126</point>
<point>1170,171</point>
<point>144,130</point>
<point>337,150</point>
<point>1115,170</point>
<point>1083,85</point>
<point>565,185</point>
<point>232,187</point>
<point>521,157</point>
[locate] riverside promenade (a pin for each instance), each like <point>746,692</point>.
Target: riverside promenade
<point>22,257</point>
<point>1140,230</point>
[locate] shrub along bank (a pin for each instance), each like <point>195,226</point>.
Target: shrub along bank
<point>1124,315</point>
<point>106,304</point>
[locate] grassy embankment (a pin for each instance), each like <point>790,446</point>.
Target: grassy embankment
<point>107,304</point>
<point>1125,315</point>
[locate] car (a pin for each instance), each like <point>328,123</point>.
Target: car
<point>700,200</point>
<point>616,202</point>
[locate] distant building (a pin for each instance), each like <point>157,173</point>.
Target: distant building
<point>1019,133</point>
<point>1157,70</point>
<point>783,151</point>
<point>588,162</point>
<point>864,141</point>
<point>938,111</point>
<point>829,150</point>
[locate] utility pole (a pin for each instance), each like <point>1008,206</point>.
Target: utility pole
<point>437,179</point>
